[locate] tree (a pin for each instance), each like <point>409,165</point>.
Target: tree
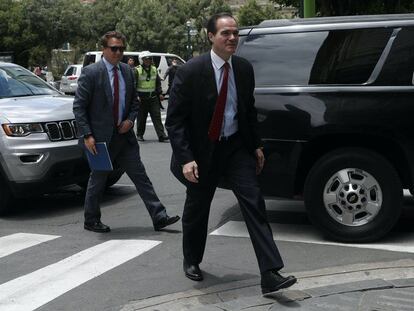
<point>14,34</point>
<point>252,13</point>
<point>50,23</point>
<point>160,25</point>
<point>355,7</point>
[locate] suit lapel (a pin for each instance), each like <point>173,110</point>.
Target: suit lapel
<point>106,83</point>
<point>128,84</point>
<point>208,81</point>
<point>237,79</point>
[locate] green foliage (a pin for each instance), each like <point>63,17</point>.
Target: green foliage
<point>31,29</point>
<point>252,13</point>
<point>355,7</point>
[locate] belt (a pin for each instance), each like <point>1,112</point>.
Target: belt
<point>147,94</point>
<point>228,138</point>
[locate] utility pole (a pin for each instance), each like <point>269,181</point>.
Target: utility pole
<point>308,8</point>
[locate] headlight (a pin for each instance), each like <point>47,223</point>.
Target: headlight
<point>22,129</point>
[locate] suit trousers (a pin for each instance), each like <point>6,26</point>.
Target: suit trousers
<point>237,166</point>
<point>125,155</point>
<point>152,106</point>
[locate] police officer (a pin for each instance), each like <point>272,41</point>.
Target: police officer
<point>150,95</point>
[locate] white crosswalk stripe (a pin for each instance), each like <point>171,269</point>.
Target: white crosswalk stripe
<point>308,234</point>
<point>16,242</point>
<point>33,290</point>
<point>163,117</point>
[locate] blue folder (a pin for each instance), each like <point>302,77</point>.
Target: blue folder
<point>100,161</point>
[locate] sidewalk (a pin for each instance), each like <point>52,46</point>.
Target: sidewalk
<point>384,286</point>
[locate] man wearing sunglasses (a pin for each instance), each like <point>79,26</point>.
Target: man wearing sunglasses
<point>105,108</point>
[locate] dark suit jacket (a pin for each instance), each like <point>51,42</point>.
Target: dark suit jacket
<point>191,107</point>
<point>93,102</point>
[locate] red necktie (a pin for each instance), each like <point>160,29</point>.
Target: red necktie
<point>217,120</point>
<point>116,96</point>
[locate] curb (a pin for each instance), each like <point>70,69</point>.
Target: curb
<point>246,294</point>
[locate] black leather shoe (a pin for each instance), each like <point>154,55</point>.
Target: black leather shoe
<point>96,227</point>
<point>166,222</point>
<point>163,139</point>
<point>193,272</point>
<point>272,281</point>
<point>140,138</point>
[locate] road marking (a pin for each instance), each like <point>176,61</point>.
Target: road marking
<point>308,234</point>
<point>163,117</point>
<point>35,289</point>
<point>16,242</point>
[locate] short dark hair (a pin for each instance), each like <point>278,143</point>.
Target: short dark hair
<point>212,22</point>
<point>112,34</point>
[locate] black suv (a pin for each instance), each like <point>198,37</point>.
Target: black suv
<point>335,100</point>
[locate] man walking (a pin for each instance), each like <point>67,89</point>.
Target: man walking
<point>150,95</point>
<point>170,73</point>
<point>212,123</point>
<point>105,108</point>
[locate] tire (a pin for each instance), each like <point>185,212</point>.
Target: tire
<point>5,197</point>
<point>353,195</point>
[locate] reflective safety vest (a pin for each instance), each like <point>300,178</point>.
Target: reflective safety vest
<point>146,83</point>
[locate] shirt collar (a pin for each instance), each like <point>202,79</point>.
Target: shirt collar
<point>108,65</point>
<point>217,61</point>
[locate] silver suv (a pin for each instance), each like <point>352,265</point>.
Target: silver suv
<point>38,140</point>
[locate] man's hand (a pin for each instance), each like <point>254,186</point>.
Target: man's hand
<point>260,159</point>
<point>190,171</point>
<point>90,144</point>
<point>161,97</point>
<point>125,126</point>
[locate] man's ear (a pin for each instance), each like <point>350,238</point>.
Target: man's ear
<point>210,36</point>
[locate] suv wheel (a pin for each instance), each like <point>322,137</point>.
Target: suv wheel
<point>5,197</point>
<point>353,195</point>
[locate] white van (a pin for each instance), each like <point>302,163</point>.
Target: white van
<point>161,60</point>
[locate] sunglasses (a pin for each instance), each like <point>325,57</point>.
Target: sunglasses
<point>116,48</point>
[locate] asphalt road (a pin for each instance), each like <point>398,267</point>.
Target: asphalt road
<point>48,261</point>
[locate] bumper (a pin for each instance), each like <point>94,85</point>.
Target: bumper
<point>35,160</point>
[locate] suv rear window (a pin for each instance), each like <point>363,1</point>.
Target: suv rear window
<point>88,59</point>
<point>399,66</point>
<point>321,57</point>
<point>71,70</point>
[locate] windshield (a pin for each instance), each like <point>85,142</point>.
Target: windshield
<point>15,81</point>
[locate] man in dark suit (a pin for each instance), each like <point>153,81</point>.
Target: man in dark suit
<point>105,109</point>
<point>211,122</point>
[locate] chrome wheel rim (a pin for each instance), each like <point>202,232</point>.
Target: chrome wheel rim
<point>352,197</point>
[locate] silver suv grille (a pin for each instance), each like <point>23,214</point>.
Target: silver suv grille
<point>61,130</point>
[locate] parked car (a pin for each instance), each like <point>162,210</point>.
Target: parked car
<point>335,106</point>
<point>39,148</point>
<point>69,80</point>
<point>161,60</point>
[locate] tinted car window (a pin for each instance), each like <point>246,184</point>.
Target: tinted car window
<point>17,81</point>
<point>70,71</point>
<point>282,59</point>
<point>88,59</point>
<point>349,56</point>
<point>170,59</point>
<point>156,60</point>
<point>335,57</point>
<point>126,57</point>
<point>399,66</point>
